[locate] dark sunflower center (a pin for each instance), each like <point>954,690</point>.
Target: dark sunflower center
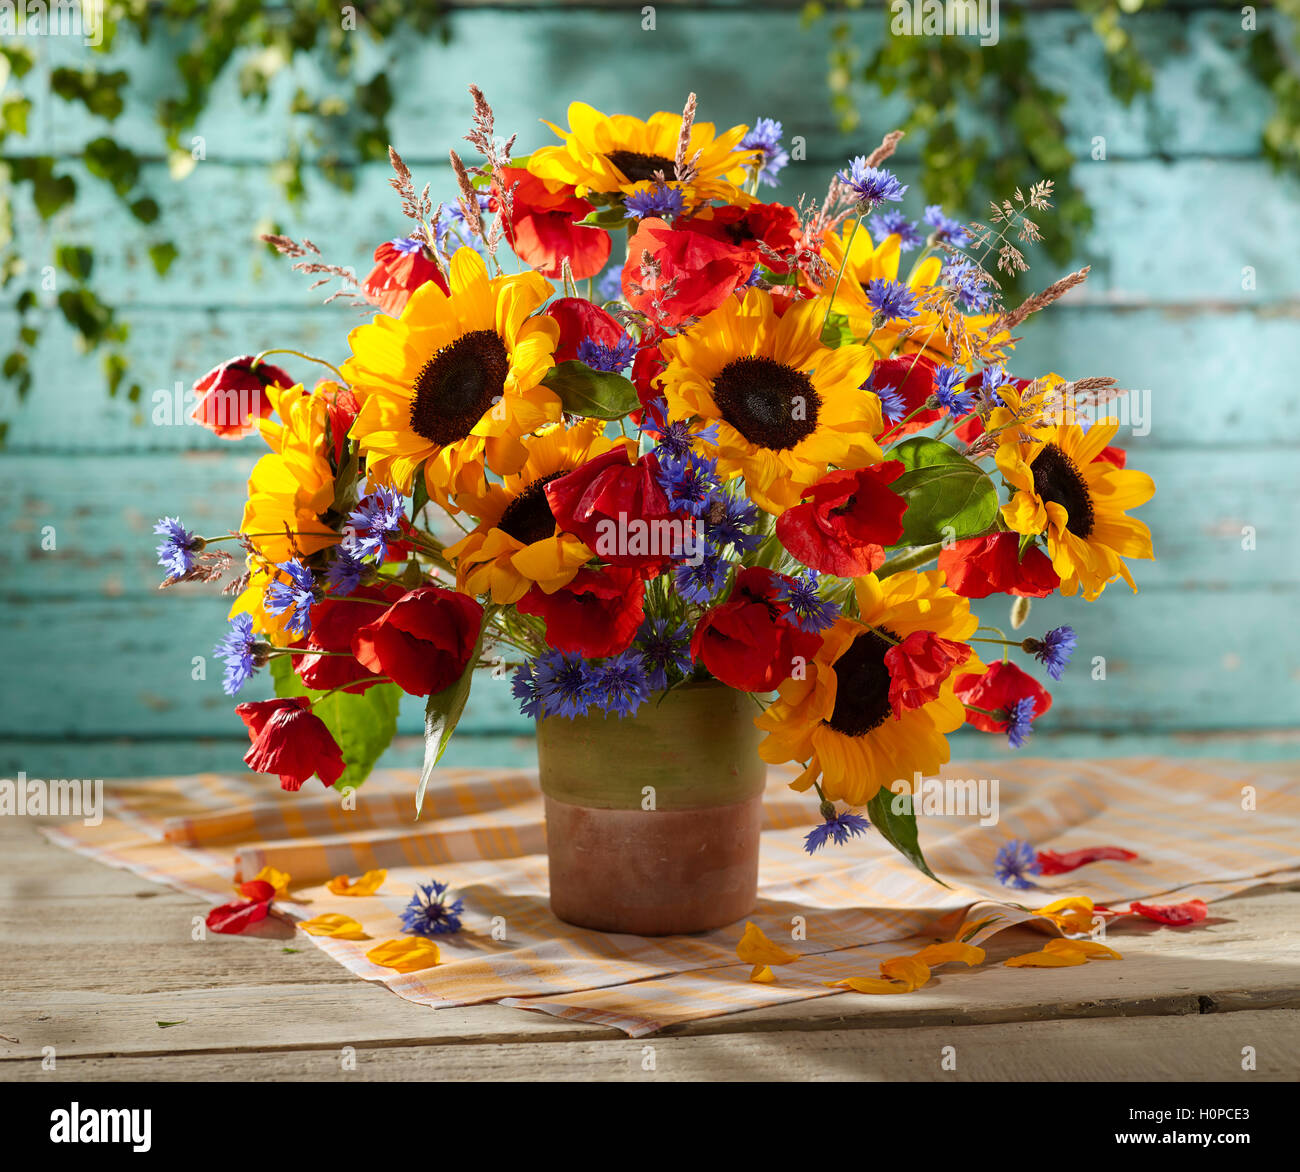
<point>1056,479</point>
<point>458,386</point>
<point>862,685</point>
<point>770,404</point>
<point>638,167</point>
<point>528,518</point>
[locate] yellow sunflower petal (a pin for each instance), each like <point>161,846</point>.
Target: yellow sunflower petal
<point>406,955</point>
<point>332,924</point>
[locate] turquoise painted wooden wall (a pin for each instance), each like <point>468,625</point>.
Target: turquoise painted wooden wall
<point>98,665</point>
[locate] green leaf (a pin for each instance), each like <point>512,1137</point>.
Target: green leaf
<point>609,218</point>
<point>899,829</point>
<point>836,332</point>
<point>943,491</point>
<point>145,209</point>
<point>75,260</point>
<point>595,394</point>
<point>442,714</point>
<point>363,725</point>
<point>162,256</point>
<point>163,1025</point>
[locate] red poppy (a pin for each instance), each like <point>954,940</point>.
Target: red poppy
<point>543,228</point>
<point>1052,863</point>
<point>423,642</point>
<point>999,690</point>
<point>604,499</point>
<point>597,614</point>
<point>579,320</point>
<point>979,566</point>
<point>1112,455</point>
<point>290,740</point>
<point>647,366</point>
<point>918,667</point>
<point>701,272</point>
<point>401,267</point>
<point>770,232</point>
<point>230,398</point>
<point>912,378</point>
<point>748,642</point>
<point>1177,914</point>
<point>333,623</point>
<point>232,918</point>
<point>848,518</point>
<point>342,407</point>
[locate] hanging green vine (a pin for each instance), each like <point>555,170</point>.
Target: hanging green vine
<point>203,39</point>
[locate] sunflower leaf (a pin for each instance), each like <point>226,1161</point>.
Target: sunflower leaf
<point>899,829</point>
<point>441,715</point>
<point>594,394</point>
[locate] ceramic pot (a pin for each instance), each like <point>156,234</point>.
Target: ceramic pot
<point>652,821</point>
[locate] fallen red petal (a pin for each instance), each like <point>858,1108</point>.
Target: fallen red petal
<point>1050,863</point>
<point>1191,912</point>
<point>232,918</point>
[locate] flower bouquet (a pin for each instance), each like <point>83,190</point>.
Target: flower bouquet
<point>706,477</point>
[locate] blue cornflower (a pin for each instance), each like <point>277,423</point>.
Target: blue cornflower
<point>808,610</point>
<point>1053,650</point>
<point>871,185</point>
<point>1020,722</point>
<point>406,245</point>
<point>298,594</point>
<point>176,554</point>
<point>239,648</point>
<point>700,581</point>
<point>891,299</point>
<point>615,358</point>
<point>620,685</point>
<point>663,650</point>
<point>838,828</point>
<point>429,913</point>
<point>946,230</point>
<point>893,222</point>
<point>690,482</point>
<point>992,378</point>
<point>658,200</point>
<point>452,232</point>
<point>969,285</point>
<point>1015,860</point>
<point>946,381</point>
<point>766,137</point>
<point>676,438</point>
<point>345,571</point>
<point>564,683</point>
<point>525,689</point>
<point>375,522</point>
<point>892,406</point>
<point>729,521</point>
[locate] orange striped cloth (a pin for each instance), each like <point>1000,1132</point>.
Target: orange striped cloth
<point>1202,829</point>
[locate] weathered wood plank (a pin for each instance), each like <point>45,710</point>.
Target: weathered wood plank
<point>1143,1049</point>
<point>720,50</point>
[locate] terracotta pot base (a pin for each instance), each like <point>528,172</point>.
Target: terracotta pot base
<point>653,873</point>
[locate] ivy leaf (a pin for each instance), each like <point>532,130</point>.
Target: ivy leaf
<point>363,724</point>
<point>899,830</point>
<point>595,394</point>
<point>162,256</point>
<point>943,491</point>
<point>75,260</point>
<point>442,714</point>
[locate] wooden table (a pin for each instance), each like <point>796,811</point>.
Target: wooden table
<point>94,959</point>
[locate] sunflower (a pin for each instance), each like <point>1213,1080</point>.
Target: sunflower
<point>517,542</point>
<point>455,382</point>
<point>1060,488</point>
<point>925,330</point>
<point>290,496</point>
<point>786,407</point>
<point>838,718</point>
<point>605,155</point>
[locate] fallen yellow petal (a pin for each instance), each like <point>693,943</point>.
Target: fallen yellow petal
<point>871,985</point>
<point>755,948</point>
<point>1085,948</point>
<point>277,879</point>
<point>914,973</point>
<point>762,975</point>
<point>406,956</point>
<point>368,884</point>
<point>1074,913</point>
<point>333,924</point>
<point>934,954</point>
<point>1045,960</point>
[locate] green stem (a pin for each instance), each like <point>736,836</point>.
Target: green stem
<point>918,555</point>
<point>305,358</point>
<point>844,264</point>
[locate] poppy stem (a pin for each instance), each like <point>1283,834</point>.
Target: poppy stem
<point>918,555</point>
<point>305,358</point>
